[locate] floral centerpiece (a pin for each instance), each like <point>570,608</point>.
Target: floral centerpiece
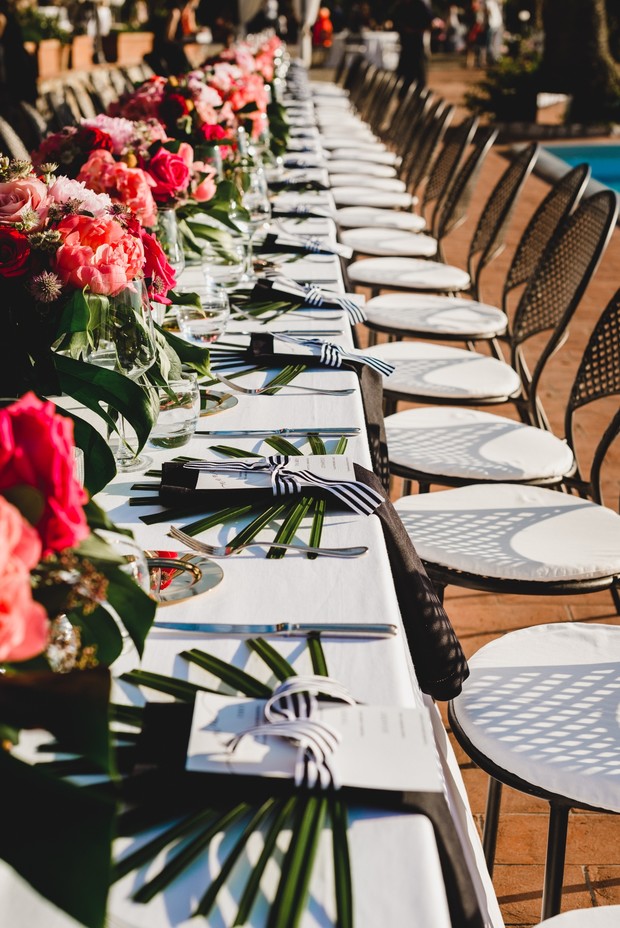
<point>64,252</point>
<point>53,562</point>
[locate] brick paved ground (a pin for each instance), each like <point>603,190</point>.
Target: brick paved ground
<point>592,876</point>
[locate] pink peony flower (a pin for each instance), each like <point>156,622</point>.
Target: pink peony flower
<point>19,197</point>
<point>36,451</point>
<point>130,186</point>
<point>23,622</point>
<point>207,187</point>
<point>98,253</point>
<point>65,190</point>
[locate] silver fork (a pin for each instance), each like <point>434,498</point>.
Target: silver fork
<point>227,550</point>
<point>256,391</point>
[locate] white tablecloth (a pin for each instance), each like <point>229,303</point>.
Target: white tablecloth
<point>396,873</point>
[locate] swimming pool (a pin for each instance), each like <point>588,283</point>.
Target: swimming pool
<point>604,159</point>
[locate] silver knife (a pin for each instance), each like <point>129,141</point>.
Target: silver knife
<point>286,629</point>
<point>265,433</point>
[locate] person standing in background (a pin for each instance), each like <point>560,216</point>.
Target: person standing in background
<point>18,69</point>
<point>412,18</point>
<point>494,30</point>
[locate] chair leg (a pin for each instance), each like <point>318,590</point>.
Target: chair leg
<point>406,486</point>
<point>615,595</point>
<point>491,821</point>
<point>372,338</point>
<point>554,864</point>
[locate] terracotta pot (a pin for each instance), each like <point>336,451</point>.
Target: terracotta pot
<point>82,48</point>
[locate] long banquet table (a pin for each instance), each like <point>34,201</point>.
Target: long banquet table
<point>396,872</point>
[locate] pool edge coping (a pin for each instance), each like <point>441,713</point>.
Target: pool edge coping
<point>551,168</point>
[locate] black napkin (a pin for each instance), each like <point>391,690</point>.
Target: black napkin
<point>438,658</point>
<point>268,291</point>
<point>167,791</point>
<point>271,245</point>
<point>279,186</point>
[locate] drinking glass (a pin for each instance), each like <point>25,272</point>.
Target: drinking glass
<point>179,409</point>
<point>123,340</point>
<point>223,262</point>
<point>203,325</point>
<point>255,201</point>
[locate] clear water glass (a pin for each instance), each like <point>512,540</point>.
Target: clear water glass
<point>223,262</point>
<point>179,409</point>
<point>204,325</point>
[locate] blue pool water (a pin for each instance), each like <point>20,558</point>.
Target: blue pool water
<point>603,159</point>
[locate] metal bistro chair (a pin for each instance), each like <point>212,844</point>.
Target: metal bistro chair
<point>487,242</point>
<point>426,372</point>
<point>421,148</point>
<point>386,238</point>
<point>10,142</point>
<point>455,447</point>
<point>539,713</point>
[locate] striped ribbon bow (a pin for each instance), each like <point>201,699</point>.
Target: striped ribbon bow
<point>317,297</point>
<point>354,495</point>
<point>333,355</point>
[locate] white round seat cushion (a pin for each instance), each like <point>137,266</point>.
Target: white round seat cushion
<point>453,441</point>
<point>605,916</point>
<point>374,153</point>
<point>367,168</point>
<point>326,89</point>
<point>543,703</point>
<point>355,131</point>
<point>356,146</point>
<point>358,217</point>
<point>440,371</point>
<point>362,196</point>
<point>389,184</point>
<point>389,242</point>
<point>437,315</point>
<point>407,273</point>
<point>514,532</point>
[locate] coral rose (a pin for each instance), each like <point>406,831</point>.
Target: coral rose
<point>23,622</point>
<point>17,197</point>
<point>36,452</point>
<point>170,173</point>
<point>98,253</point>
<point>14,252</point>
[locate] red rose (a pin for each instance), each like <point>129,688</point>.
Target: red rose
<point>170,173</point>
<point>160,275</point>
<point>173,107</point>
<point>89,138</point>
<point>36,451</point>
<point>213,133</point>
<point>14,253</point>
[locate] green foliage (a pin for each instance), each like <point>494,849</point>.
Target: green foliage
<point>508,91</point>
<point>36,26</point>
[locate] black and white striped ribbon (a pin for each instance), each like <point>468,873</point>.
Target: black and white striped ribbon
<point>333,355</point>
<point>317,297</point>
<point>354,495</point>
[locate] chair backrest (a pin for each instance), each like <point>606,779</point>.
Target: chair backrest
<point>556,206</point>
<point>405,107</point>
<point>10,142</point>
<point>598,376</point>
<point>457,199</point>
<point>34,121</point>
<point>554,291</point>
<point>490,234</point>
<point>382,101</point>
<point>83,99</point>
<point>446,165</point>
<point>431,137</point>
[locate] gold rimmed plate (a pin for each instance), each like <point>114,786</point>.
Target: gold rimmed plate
<point>211,402</point>
<point>177,576</point>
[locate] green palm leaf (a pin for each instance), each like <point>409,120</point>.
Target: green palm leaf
<point>237,679</point>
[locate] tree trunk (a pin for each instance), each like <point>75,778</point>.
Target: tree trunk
<point>577,59</point>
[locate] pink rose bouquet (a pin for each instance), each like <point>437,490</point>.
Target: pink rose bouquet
<point>36,452</point>
<point>23,622</point>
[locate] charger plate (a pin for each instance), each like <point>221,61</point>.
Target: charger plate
<point>178,576</point>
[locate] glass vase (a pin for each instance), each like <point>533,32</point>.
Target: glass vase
<point>169,238</point>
